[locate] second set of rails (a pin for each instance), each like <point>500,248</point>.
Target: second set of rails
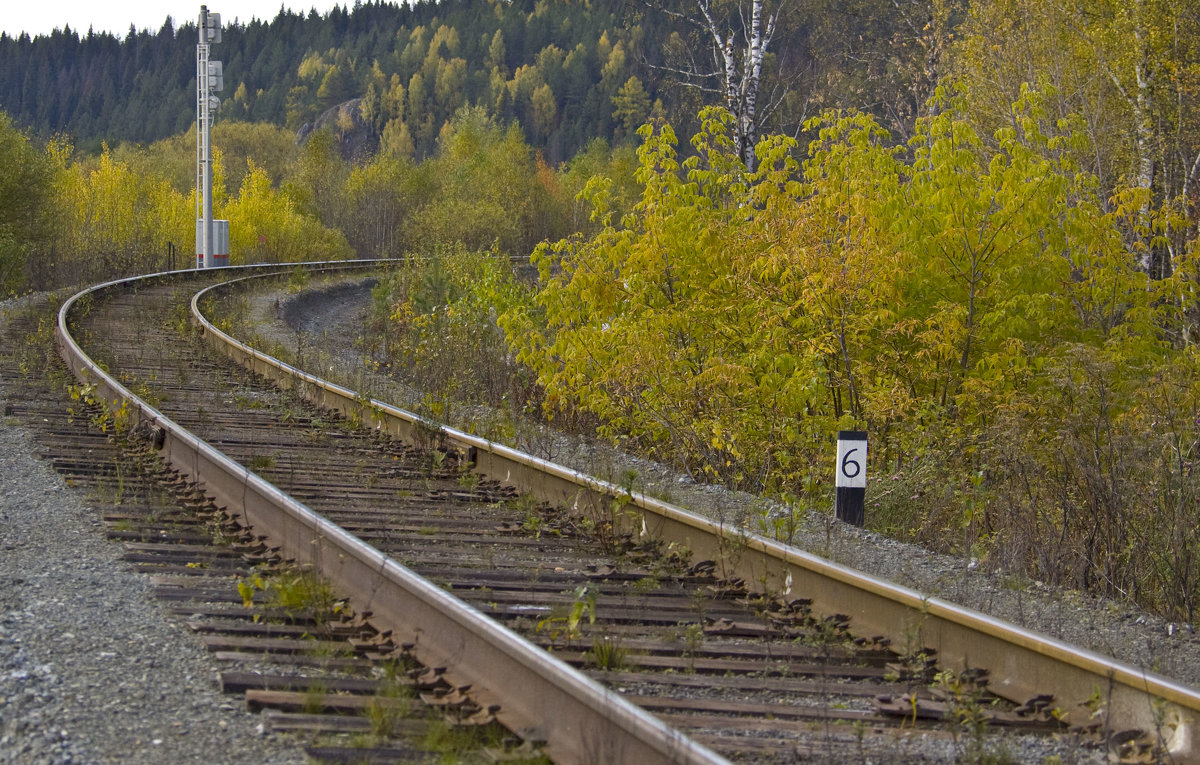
<point>710,644</point>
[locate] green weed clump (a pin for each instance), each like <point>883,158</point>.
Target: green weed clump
<point>296,591</point>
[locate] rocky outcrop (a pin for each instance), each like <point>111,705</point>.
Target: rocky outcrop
<point>356,140</point>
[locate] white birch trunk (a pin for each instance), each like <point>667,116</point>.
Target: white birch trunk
<point>754,56</point>
<point>741,80</point>
<point>1143,127</point>
<point>1144,131</point>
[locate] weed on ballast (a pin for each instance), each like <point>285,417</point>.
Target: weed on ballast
<point>34,352</point>
<point>391,703</point>
<point>260,462</point>
<point>827,634</point>
<point>967,708</point>
<point>298,279</point>
<point>609,654</point>
<point>646,585</point>
<point>111,490</point>
<point>693,639</point>
<point>296,591</point>
<point>538,518</point>
<point>569,624</point>
<point>314,697</point>
<point>451,743</point>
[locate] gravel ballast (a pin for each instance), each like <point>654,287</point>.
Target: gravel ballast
<point>92,668</point>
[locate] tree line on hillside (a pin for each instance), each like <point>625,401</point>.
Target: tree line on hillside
<point>566,71</point>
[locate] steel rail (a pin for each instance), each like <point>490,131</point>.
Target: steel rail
<point>1021,663</point>
<point>539,696</point>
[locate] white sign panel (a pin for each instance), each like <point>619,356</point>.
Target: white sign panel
<point>852,462</point>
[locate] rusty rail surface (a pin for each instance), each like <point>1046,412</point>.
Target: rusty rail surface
<point>1022,663</point>
<point>539,696</point>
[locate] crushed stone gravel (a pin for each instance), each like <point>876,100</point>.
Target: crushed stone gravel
<point>92,668</point>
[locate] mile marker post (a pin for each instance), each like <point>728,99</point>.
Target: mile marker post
<point>851,475</point>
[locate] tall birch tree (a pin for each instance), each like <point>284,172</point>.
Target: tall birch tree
<point>737,39</point>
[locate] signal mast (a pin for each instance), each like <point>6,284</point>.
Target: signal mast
<point>212,236</point>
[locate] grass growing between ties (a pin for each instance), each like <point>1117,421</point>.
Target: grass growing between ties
<point>967,720</point>
<point>260,462</point>
<point>291,594</point>
<point>566,621</point>
<point>609,654</point>
<point>453,744</point>
<point>30,341</point>
<point>693,641</point>
<point>314,698</point>
<point>392,702</point>
<point>298,592</point>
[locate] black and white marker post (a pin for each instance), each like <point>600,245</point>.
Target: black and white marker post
<point>851,475</point>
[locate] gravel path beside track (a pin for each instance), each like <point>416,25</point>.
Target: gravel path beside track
<point>92,669</point>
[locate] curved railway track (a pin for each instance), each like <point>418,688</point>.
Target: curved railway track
<point>670,638</point>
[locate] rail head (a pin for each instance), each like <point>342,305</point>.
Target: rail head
<point>579,720</point>
<point>1023,663</point>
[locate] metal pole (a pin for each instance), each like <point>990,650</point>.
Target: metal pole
<point>204,145</point>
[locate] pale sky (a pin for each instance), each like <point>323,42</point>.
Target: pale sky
<point>42,17</point>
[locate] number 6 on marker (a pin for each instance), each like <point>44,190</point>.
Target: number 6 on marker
<point>851,468</point>
<point>852,459</point>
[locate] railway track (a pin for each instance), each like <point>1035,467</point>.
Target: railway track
<point>617,588</point>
